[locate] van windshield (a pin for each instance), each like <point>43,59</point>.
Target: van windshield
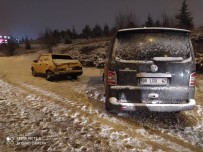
<point>146,44</point>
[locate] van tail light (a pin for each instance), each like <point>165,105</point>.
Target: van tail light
<point>192,79</point>
<point>112,78</point>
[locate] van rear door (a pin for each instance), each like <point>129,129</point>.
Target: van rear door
<point>153,65</point>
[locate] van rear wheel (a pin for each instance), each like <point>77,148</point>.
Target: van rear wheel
<point>110,109</point>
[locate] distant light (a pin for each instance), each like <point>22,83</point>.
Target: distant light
<point>151,40</point>
<point>140,43</point>
<point>0,36</point>
<point>5,36</point>
<point>181,74</point>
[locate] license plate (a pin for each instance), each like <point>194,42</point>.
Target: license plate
<point>153,81</point>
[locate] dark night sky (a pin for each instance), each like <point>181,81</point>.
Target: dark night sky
<point>29,17</point>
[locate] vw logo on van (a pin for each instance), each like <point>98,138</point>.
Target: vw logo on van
<point>154,68</point>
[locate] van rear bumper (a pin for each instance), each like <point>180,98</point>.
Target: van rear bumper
<point>152,107</point>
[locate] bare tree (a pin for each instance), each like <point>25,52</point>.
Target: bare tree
<point>149,22</point>
<point>168,21</point>
<point>126,20</point>
<point>48,39</point>
<point>27,44</point>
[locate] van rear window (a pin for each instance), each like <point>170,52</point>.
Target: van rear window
<point>142,45</point>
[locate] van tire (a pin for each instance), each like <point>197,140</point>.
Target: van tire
<point>111,110</point>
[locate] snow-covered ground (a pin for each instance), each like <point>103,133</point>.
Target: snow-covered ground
<point>64,125</point>
<point>69,115</point>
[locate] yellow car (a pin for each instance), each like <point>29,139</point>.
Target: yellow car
<point>56,64</point>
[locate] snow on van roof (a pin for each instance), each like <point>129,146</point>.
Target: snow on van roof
<point>153,28</point>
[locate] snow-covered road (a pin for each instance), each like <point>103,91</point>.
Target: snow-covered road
<point>56,123</point>
<point>68,115</point>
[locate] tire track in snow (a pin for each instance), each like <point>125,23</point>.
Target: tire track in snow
<point>152,138</point>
